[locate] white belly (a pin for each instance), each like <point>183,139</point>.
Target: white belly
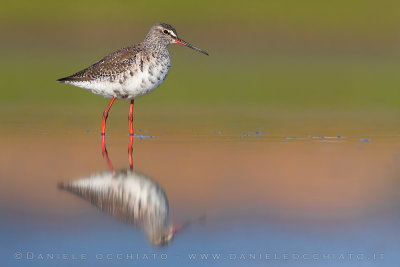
<point>132,83</point>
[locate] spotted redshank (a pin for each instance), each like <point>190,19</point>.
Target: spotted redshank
<point>131,71</point>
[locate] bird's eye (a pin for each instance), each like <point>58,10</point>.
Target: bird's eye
<point>166,32</point>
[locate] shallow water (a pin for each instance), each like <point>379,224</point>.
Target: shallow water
<point>281,148</point>
<point>253,199</point>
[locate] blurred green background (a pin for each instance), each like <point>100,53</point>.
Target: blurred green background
<point>269,60</point>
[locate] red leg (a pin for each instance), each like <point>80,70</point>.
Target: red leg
<point>130,150</point>
<point>130,118</point>
<point>105,115</point>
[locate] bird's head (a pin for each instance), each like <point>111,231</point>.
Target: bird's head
<point>163,237</point>
<point>165,33</point>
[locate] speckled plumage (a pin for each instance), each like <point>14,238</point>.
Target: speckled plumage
<point>131,71</point>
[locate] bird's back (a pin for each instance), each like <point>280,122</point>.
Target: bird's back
<point>108,67</point>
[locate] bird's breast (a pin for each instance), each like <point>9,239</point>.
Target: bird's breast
<point>143,78</point>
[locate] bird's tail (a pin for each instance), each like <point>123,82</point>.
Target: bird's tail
<point>64,185</point>
<point>63,80</point>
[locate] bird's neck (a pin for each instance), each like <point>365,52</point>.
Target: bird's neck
<point>159,49</point>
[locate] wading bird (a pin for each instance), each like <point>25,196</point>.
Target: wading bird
<point>132,71</point>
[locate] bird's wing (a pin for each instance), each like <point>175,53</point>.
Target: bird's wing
<point>108,67</point>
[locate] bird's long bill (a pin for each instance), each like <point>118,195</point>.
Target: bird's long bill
<point>180,41</point>
<point>178,228</point>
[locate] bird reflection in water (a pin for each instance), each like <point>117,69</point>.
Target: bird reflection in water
<point>128,195</point>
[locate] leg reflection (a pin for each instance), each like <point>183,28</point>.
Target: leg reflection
<point>105,153</point>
